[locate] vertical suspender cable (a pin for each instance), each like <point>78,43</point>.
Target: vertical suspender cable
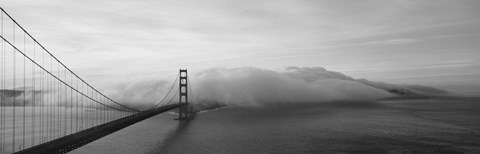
<point>33,97</point>
<point>59,104</point>
<point>47,106</point>
<point>64,104</point>
<point>2,82</point>
<point>57,127</point>
<point>86,105</point>
<point>76,110</point>
<point>71,105</point>
<point>83,109</point>
<point>24,91</point>
<point>2,77</point>
<point>93,107</point>
<point>95,98</point>
<point>42,99</point>
<point>52,96</point>
<point>48,101</point>
<point>103,111</point>
<point>98,108</point>
<point>65,115</point>
<point>14,91</point>
<point>51,103</point>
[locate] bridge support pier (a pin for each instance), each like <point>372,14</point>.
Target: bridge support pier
<point>185,111</point>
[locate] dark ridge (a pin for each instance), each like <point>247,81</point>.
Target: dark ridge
<point>427,89</point>
<point>10,93</point>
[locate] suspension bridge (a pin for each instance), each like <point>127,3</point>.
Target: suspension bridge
<point>45,107</point>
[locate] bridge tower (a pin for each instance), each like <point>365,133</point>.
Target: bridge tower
<point>185,110</point>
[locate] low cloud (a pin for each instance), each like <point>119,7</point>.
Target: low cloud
<point>255,86</point>
<point>251,86</point>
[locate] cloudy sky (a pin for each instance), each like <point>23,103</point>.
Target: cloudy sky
<point>430,42</point>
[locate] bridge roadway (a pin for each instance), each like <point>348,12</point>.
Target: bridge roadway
<point>76,140</point>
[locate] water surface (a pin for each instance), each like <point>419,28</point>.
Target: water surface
<point>412,126</point>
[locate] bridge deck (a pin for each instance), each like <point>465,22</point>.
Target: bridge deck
<point>73,141</point>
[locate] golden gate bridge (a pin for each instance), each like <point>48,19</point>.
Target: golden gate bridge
<point>45,107</point>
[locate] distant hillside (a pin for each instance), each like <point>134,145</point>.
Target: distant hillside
<point>10,96</point>
<point>319,73</point>
<point>427,90</point>
<point>406,90</point>
<point>10,93</point>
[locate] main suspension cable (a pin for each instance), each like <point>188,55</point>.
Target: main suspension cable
<point>176,92</point>
<point>16,23</point>
<point>171,88</point>
<point>51,74</point>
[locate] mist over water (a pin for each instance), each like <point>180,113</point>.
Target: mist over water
<point>254,86</point>
<point>246,86</point>
<point>143,93</point>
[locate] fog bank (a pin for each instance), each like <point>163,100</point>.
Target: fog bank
<point>256,86</point>
<point>253,86</point>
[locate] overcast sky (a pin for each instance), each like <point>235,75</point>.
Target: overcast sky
<point>431,42</point>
